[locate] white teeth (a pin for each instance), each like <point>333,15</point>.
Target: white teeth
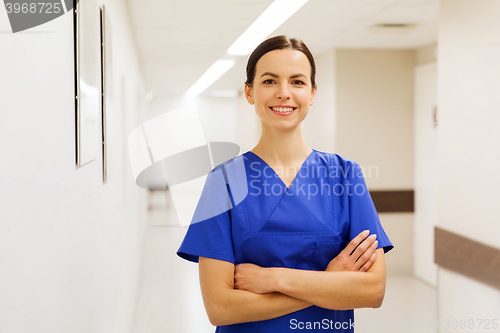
<point>283,109</point>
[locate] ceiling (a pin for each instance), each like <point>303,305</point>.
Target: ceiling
<point>178,40</point>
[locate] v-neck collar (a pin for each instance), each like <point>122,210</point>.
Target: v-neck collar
<point>276,174</point>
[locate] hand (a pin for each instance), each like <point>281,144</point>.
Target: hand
<point>361,259</point>
<point>253,278</point>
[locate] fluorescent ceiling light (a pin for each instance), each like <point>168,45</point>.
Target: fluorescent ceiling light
<point>223,93</point>
<point>274,16</point>
<point>210,76</point>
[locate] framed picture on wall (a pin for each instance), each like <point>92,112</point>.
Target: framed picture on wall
<point>87,43</point>
<point>106,82</point>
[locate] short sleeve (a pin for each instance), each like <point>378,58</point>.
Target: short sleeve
<point>362,211</point>
<point>209,234</point>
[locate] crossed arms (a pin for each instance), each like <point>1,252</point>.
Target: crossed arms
<point>247,292</point>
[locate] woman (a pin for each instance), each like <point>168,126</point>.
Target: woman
<point>285,255</point>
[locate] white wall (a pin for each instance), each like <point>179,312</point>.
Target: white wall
<point>69,244</point>
<point>426,173</point>
<point>319,128</point>
<point>374,127</point>
<point>469,144</point>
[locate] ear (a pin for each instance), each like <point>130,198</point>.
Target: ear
<point>249,94</point>
<point>313,95</point>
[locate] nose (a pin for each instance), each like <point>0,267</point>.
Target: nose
<point>283,91</point>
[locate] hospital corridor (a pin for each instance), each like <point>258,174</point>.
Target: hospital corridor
<point>139,136</point>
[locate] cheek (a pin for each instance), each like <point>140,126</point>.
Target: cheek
<point>304,97</point>
<point>262,97</point>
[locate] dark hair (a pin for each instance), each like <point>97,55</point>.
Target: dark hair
<point>278,43</point>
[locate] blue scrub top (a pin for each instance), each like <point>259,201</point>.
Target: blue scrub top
<point>246,214</point>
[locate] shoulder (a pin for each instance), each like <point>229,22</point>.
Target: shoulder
<point>229,164</point>
<point>231,173</point>
<point>337,161</point>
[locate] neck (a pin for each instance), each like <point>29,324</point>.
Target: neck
<point>281,147</point>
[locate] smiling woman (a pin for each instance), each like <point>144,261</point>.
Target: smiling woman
<point>281,80</point>
<point>297,250</point>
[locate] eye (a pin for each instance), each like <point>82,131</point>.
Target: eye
<point>299,82</point>
<point>268,81</point>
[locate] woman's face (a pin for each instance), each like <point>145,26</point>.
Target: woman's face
<point>282,90</point>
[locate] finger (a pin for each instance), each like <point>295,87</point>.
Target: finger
<point>364,246</point>
<point>366,249</point>
<point>355,242</point>
<point>369,263</point>
<point>367,245</point>
<point>366,255</point>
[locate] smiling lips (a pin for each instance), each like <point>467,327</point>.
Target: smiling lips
<point>283,110</point>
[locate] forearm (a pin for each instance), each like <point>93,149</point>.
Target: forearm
<point>332,290</point>
<point>240,306</point>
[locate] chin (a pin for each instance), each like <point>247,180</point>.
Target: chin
<point>284,127</point>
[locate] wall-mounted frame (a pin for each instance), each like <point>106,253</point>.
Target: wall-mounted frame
<point>87,80</point>
<point>106,81</point>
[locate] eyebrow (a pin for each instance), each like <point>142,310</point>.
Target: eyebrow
<point>276,76</point>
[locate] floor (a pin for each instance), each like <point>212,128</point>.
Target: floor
<point>409,306</point>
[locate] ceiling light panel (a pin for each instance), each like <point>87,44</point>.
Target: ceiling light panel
<point>274,16</point>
